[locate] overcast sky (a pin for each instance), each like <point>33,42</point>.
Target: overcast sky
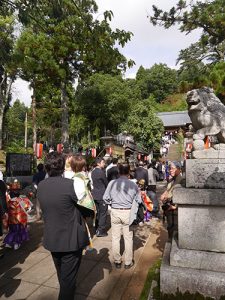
<point>148,46</point>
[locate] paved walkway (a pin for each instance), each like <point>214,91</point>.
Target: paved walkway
<point>29,273</point>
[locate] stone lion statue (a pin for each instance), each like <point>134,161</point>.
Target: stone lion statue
<point>207,113</point>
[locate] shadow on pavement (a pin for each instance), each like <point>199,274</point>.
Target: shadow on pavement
<point>95,267</point>
<point>8,267</point>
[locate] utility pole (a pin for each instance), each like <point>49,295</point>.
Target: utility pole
<point>25,133</point>
<point>33,104</point>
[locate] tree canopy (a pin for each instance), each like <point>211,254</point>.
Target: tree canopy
<point>159,81</point>
<point>209,16</point>
<point>144,125</point>
<point>200,63</point>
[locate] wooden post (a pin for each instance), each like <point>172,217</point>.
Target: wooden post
<point>25,133</point>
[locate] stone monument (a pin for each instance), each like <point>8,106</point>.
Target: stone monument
<point>194,262</point>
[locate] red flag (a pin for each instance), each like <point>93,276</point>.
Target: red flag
<point>93,152</point>
<point>60,148</point>
<point>39,150</point>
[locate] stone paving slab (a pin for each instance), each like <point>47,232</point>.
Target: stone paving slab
<point>52,282</point>
<point>95,283</point>
<point>17,290</point>
<point>44,293</point>
<point>30,261</point>
<point>40,272</point>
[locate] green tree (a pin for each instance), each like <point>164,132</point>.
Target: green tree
<point>209,16</point>
<point>15,126</point>
<point>7,73</point>
<point>198,60</point>
<point>65,42</point>
<point>159,81</point>
<point>144,125</point>
<point>105,101</point>
<point>217,79</point>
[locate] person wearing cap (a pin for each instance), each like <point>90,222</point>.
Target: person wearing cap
<point>99,182</point>
<point>169,208</point>
<point>123,195</point>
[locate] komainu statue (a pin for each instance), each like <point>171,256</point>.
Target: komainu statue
<point>207,114</point>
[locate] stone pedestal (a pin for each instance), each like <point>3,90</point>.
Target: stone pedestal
<point>195,261</point>
<point>201,219</point>
<point>205,173</point>
<point>179,280</point>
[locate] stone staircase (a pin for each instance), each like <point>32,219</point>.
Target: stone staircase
<point>174,153</point>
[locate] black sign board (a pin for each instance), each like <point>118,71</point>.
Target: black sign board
<point>18,164</point>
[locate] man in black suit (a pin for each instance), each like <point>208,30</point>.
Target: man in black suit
<point>113,171</point>
<point>141,173</point>
<point>65,233</point>
<point>99,183</point>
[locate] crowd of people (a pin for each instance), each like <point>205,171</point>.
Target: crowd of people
<point>167,140</point>
<point>69,194</point>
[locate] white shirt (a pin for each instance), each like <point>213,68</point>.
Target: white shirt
<point>79,187</point>
<point>68,174</point>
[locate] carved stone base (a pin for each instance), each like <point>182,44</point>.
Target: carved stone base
<point>205,173</point>
<point>209,153</point>
<point>175,279</point>
<point>201,222</point>
<point>195,259</point>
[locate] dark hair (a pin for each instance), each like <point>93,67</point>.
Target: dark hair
<point>54,164</point>
<point>98,160</point>
<point>124,169</point>
<point>77,163</point>
<point>40,167</point>
<point>115,160</point>
<point>140,163</point>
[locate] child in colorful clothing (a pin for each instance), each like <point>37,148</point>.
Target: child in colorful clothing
<point>147,202</point>
<point>18,208</point>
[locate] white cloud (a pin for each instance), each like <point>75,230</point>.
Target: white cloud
<point>21,91</point>
<point>150,44</point>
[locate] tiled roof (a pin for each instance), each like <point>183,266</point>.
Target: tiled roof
<point>174,118</point>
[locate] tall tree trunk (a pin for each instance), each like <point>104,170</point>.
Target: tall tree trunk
<point>1,126</point>
<point>65,117</point>
<point>5,89</point>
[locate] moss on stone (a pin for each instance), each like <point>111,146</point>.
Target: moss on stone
<point>186,296</point>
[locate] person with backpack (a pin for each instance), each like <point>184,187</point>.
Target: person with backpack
<point>65,231</point>
<point>82,185</point>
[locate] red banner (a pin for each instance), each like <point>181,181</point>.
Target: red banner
<point>60,148</point>
<point>39,150</point>
<point>93,152</point>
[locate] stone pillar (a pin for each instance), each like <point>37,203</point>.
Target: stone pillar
<point>195,261</point>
